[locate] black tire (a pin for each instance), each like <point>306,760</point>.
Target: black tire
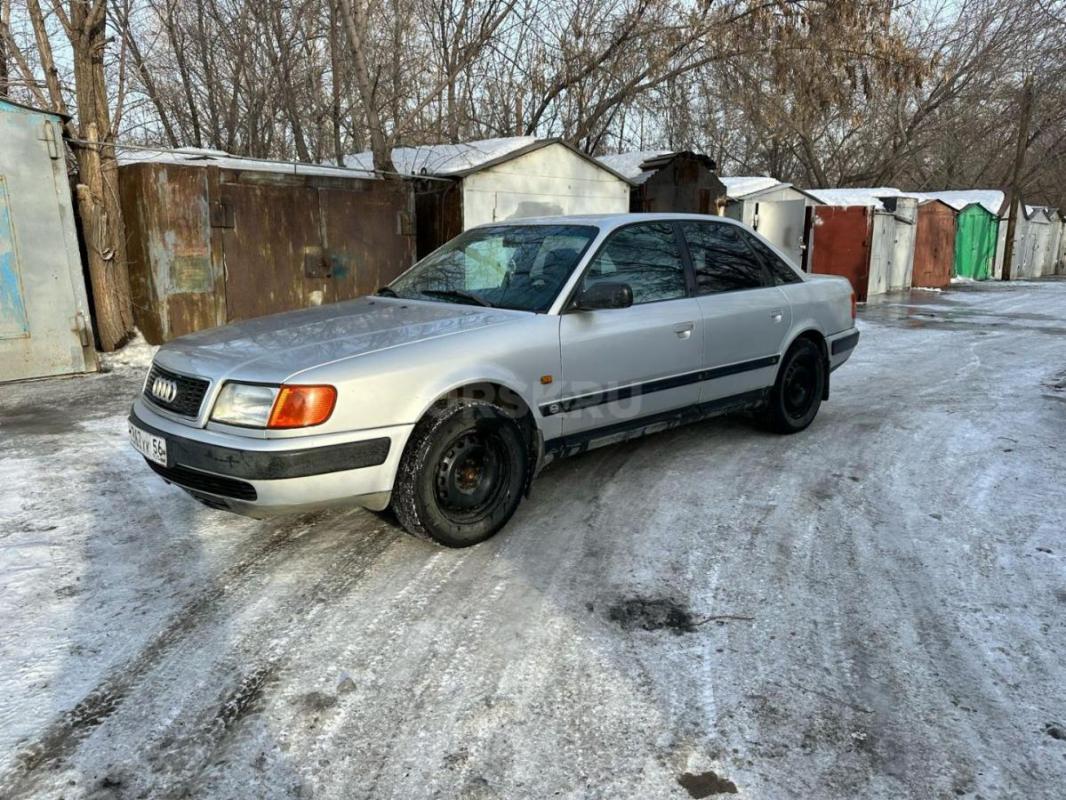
<point>797,395</point>
<point>462,474</point>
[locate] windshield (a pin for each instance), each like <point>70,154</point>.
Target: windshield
<point>506,266</point>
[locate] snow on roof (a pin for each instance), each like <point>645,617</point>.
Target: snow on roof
<point>855,196</point>
<point>737,187</point>
<point>445,159</point>
<point>628,164</point>
<point>990,199</point>
<point>202,157</point>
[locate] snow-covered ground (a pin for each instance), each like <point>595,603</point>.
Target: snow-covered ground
<point>872,609</point>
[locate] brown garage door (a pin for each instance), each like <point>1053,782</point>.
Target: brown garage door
<point>275,234</point>
<point>840,244</point>
<point>934,246</point>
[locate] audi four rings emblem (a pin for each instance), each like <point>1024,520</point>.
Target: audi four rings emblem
<point>165,389</point>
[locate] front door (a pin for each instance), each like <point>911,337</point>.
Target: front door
<point>621,364</point>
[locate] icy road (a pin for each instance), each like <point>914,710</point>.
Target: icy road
<point>873,609</point>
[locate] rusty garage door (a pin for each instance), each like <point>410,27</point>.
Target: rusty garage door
<point>934,245</point>
<point>210,245</point>
<point>840,244</point>
<point>273,243</point>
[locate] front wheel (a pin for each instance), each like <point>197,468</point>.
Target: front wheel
<point>797,395</point>
<point>462,474</point>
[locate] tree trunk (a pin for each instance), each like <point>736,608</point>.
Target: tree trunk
<point>98,202</point>
<point>355,25</point>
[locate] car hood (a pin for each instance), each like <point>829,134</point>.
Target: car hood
<point>272,349</point>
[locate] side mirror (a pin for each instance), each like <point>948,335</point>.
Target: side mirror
<point>605,294</point>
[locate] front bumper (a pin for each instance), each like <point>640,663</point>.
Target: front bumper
<point>263,477</point>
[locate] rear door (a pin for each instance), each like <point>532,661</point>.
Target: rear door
<point>745,314</point>
<point>625,363</point>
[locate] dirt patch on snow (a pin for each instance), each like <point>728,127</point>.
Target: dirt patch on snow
<point>704,784</point>
<point>652,614</point>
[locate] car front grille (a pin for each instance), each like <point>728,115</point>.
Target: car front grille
<point>188,392</point>
<point>206,482</point>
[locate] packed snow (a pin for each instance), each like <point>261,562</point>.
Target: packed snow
<point>872,608</point>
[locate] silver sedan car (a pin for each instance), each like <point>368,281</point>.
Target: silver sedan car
<point>444,394</point>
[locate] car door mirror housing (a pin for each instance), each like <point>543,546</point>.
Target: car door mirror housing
<point>604,294</point>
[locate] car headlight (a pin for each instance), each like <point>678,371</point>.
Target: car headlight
<point>257,406</point>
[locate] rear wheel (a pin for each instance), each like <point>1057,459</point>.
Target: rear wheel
<point>797,395</point>
<point>462,474</point>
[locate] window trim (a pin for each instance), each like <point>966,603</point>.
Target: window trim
<point>766,267</point>
<point>568,306</point>
<point>768,278</point>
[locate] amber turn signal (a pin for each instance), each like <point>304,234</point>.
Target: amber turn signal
<point>302,406</point>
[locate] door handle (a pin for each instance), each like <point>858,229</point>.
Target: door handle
<point>777,315</point>
<point>684,329</point>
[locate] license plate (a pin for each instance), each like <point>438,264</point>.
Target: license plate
<point>152,447</point>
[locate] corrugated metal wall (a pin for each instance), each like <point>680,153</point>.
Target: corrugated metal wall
<point>209,246</point>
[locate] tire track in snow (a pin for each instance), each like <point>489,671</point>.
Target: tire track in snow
<point>204,738</point>
<point>63,736</point>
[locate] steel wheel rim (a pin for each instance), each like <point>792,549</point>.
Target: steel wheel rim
<point>799,386</point>
<point>470,476</point>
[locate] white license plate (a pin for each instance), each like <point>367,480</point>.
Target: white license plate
<point>154,448</point>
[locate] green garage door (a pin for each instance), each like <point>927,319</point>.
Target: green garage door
<point>975,243</point>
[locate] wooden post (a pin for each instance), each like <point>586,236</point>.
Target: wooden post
<point>1014,196</point>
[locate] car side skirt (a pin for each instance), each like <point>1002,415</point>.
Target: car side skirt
<point>575,443</point>
<point>662,384</point>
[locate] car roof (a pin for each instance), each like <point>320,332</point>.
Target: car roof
<point>609,221</point>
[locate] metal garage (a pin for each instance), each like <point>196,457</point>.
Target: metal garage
<point>665,181</point>
<point>214,239</point>
<point>44,309</point>
<point>500,179</point>
<point>891,236</point>
<point>977,224</point>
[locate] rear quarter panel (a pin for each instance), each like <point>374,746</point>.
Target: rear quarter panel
<point>819,303</point>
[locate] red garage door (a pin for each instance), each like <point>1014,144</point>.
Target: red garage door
<point>840,244</point>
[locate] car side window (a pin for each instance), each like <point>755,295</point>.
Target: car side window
<point>644,255</point>
<point>781,272</point>
<point>721,259</point>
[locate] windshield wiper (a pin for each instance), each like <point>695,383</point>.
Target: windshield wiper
<point>385,291</point>
<point>456,294</point>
